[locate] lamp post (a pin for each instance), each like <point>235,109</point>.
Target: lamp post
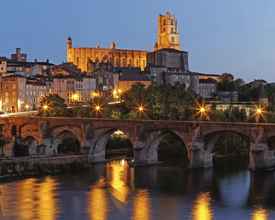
<point>203,111</point>
<point>45,107</point>
<point>97,109</point>
<point>141,110</point>
<point>259,112</point>
<point>27,107</point>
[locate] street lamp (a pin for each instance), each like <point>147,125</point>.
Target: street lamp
<point>141,109</point>
<point>117,93</point>
<point>45,107</point>
<point>259,113</point>
<point>27,107</point>
<point>97,108</point>
<point>75,97</point>
<point>202,111</point>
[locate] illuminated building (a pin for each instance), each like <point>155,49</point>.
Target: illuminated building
<point>168,38</point>
<point>19,91</point>
<point>71,84</point>
<point>168,34</point>
<point>84,57</point>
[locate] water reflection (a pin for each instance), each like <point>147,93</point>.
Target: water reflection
<point>202,207</point>
<point>26,199</point>
<point>47,205</point>
<point>98,203</point>
<point>117,191</point>
<point>141,206</point>
<point>260,214</point>
<point>118,176</point>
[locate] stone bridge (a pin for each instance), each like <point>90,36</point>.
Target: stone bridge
<point>199,138</point>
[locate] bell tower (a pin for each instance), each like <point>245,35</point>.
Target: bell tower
<point>69,49</point>
<point>168,35</point>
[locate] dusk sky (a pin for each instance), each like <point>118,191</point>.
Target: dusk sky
<point>236,36</point>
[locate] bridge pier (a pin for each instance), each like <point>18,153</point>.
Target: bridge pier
<point>261,157</point>
<point>199,157</point>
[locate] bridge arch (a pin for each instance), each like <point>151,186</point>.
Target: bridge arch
<point>228,144</point>
<point>31,143</point>
<point>158,151</point>
<point>67,143</point>
<point>100,140</point>
<point>66,139</point>
<point>211,138</point>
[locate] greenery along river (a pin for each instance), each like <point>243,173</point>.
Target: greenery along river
<point>116,191</point>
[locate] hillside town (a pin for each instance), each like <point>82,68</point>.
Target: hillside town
<point>112,72</point>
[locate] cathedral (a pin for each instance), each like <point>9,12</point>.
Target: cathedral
<point>168,37</point>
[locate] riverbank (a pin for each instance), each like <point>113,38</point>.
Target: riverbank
<point>37,166</point>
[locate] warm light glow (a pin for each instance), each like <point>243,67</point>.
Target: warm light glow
<point>48,206</point>
<point>203,111</point>
<point>27,107</point>
<point>45,107</point>
<point>95,94</point>
<point>141,108</point>
<point>97,108</point>
<point>117,175</point>
<point>202,208</point>
<point>141,210</point>
<point>98,202</point>
<point>122,162</point>
<point>116,93</point>
<point>259,113</point>
<point>76,97</point>
<point>26,199</point>
<point>259,214</point>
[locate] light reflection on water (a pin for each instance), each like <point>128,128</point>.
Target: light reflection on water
<point>260,214</point>
<point>117,191</point>
<point>202,208</point>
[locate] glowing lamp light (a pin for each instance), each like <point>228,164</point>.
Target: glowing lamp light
<point>75,97</point>
<point>259,111</point>
<point>95,94</point>
<point>141,108</point>
<point>45,107</point>
<point>97,108</point>
<point>202,110</point>
<point>27,107</point>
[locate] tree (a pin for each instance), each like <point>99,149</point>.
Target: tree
<point>52,105</point>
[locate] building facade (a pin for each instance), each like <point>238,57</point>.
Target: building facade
<point>168,34</point>
<point>83,57</point>
<point>168,37</point>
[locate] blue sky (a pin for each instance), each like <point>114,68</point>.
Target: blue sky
<point>236,36</point>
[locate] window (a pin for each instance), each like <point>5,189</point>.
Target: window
<point>173,39</point>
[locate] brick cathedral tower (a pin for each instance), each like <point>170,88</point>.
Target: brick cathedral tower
<point>168,35</point>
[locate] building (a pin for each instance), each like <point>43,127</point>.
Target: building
<point>35,90</point>
<point>19,63</point>
<point>71,84</point>
<point>83,57</point>
<point>168,37</point>
<point>13,93</point>
<point>3,66</point>
<point>248,107</point>
<point>207,88</point>
<point>127,80</point>
<point>20,93</point>
<point>171,59</point>
<point>168,34</point>
<point>18,56</point>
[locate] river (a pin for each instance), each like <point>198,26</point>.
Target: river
<point>116,191</point>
